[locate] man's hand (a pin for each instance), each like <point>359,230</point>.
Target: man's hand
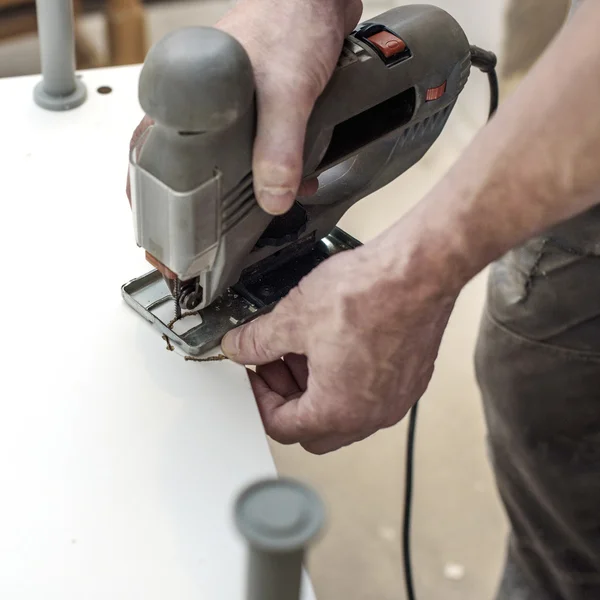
<point>293,62</point>
<point>346,353</point>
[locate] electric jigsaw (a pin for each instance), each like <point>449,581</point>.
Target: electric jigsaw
<point>217,254</point>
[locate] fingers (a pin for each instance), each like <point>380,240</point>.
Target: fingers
<point>286,412</point>
<point>289,421</point>
<point>283,112</point>
<point>331,443</point>
<point>270,404</point>
<point>278,376</point>
<point>352,15</point>
<point>264,340</point>
<point>327,444</point>
<point>267,400</point>
<point>298,367</point>
<point>284,409</point>
<point>309,187</point>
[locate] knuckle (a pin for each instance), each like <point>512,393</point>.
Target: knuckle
<point>256,345</point>
<point>294,297</point>
<point>337,417</point>
<point>277,430</point>
<point>393,418</point>
<point>276,434</point>
<point>351,422</point>
<point>280,171</point>
<point>312,419</point>
<point>288,322</point>
<point>306,424</point>
<point>355,10</point>
<point>304,85</point>
<point>316,449</point>
<point>314,80</point>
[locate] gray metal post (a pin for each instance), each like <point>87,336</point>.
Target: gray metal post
<point>59,88</point>
<point>278,518</point>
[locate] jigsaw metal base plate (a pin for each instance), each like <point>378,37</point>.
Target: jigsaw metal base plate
<point>260,288</point>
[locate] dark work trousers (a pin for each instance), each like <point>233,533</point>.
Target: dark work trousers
<point>538,367</point>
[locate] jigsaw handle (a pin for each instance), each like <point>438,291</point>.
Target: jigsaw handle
<point>197,80</point>
<point>397,69</point>
<point>397,80</point>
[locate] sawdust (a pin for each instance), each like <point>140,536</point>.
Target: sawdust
<point>217,358</point>
<point>170,348</point>
<point>191,313</point>
<point>168,341</point>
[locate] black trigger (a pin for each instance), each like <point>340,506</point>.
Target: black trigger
<point>284,229</point>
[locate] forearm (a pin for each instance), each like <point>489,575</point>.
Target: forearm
<point>536,164</point>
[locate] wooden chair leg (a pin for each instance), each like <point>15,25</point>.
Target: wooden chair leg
<point>86,56</point>
<point>126,26</point>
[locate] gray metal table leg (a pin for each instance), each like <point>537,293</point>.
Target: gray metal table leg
<point>278,518</point>
<point>59,88</point>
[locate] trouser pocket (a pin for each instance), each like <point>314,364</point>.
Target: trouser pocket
<point>548,292</point>
<point>538,367</point>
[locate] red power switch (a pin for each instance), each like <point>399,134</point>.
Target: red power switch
<point>435,93</point>
<point>387,43</point>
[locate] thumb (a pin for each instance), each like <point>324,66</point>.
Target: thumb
<point>284,107</point>
<point>262,341</point>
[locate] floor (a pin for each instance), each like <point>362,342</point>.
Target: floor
<point>458,528</point>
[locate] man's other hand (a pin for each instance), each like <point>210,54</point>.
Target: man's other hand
<point>347,352</point>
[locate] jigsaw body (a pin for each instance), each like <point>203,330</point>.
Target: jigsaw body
<point>195,213</point>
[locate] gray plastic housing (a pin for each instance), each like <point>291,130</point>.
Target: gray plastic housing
<point>278,518</point>
<point>192,191</point>
<point>59,89</point>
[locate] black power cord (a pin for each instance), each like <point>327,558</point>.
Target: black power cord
<point>408,493</point>
<point>486,62</point>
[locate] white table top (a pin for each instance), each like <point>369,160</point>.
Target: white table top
<point>119,462</point>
